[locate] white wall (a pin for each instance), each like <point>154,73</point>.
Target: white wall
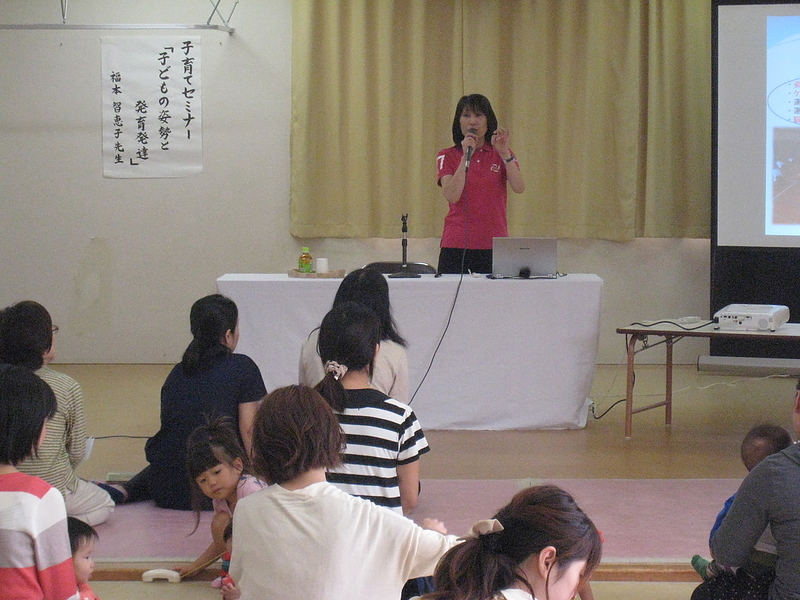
<point>119,262</point>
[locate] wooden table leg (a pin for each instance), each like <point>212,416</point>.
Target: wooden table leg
<point>629,387</point>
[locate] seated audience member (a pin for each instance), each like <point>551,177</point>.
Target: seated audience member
<point>210,382</point>
<point>27,339</point>
<point>384,438</point>
<point>390,375</point>
<point>541,545</point>
<point>35,557</point>
<point>304,538</point>
<point>768,496</point>
<point>760,442</point>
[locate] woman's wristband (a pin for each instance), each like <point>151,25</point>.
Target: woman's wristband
<point>509,159</point>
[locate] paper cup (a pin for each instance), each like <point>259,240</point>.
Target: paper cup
<point>322,265</point>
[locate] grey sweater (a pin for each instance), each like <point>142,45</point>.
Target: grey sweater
<point>769,495</point>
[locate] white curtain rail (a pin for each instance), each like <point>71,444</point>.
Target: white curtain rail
<point>223,28</point>
<point>65,6</point>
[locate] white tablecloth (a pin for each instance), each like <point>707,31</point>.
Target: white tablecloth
<point>518,354</point>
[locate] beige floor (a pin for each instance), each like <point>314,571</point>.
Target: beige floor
<point>711,414</point>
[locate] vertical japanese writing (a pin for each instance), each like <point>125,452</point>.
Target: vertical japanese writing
<point>188,90</point>
<point>163,101</point>
<point>151,96</point>
<point>115,80</point>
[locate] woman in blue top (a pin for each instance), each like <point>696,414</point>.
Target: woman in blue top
<point>211,381</point>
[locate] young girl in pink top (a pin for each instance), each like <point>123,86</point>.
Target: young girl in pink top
<point>218,468</point>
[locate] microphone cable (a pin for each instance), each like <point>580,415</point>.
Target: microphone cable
<point>458,289</point>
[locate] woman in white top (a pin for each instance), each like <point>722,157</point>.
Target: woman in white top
<point>390,375</point>
<point>302,537</point>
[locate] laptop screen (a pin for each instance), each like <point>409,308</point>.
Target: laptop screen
<point>524,257</point>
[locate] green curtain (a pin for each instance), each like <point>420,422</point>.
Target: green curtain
<point>608,103</point>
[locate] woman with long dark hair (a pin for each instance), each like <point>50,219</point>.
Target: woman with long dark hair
<point>369,288</point>
<point>209,382</point>
<point>384,438</point>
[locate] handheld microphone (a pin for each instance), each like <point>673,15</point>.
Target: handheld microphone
<point>470,150</point>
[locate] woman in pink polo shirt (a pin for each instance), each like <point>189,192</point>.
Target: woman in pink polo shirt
<point>474,175</point>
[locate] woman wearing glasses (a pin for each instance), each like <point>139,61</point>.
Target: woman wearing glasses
<point>26,339</point>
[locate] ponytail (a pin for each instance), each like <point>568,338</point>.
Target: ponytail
<point>489,560</point>
<point>347,340</point>
<point>332,390</point>
<point>210,319</point>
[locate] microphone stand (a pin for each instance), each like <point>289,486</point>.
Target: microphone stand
<point>404,272</point>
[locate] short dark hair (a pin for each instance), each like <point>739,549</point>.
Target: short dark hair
<point>761,441</point>
<point>479,104</point>
<point>79,533</point>
<point>26,402</point>
<point>26,333</point>
<point>294,431</point>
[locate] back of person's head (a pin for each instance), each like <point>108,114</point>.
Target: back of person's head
<point>26,334</point>
<point>210,319</point>
<point>369,287</point>
<point>348,338</point>
<point>80,533</point>
<point>536,518</point>
<point>295,431</point>
<point>477,103</point>
<point>761,441</point>
<point>215,443</point>
<point>26,402</point>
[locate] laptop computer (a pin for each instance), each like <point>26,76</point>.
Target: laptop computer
<point>524,257</point>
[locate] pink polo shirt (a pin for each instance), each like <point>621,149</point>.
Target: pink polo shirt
<point>482,203</point>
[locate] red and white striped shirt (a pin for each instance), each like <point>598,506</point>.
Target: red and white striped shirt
<point>35,558</point>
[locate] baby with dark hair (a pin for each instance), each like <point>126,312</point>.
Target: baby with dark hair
<point>760,442</point>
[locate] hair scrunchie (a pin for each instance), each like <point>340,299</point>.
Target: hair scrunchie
<point>488,533</point>
<point>335,369</point>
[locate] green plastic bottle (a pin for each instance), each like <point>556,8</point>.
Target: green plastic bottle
<point>305,263</point>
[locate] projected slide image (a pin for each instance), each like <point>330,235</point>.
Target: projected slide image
<point>785,176</point>
<point>782,210</point>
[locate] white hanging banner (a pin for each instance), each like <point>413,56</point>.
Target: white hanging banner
<point>152,117</point>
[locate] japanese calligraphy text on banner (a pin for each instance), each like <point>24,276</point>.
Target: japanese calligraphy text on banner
<point>152,118</point>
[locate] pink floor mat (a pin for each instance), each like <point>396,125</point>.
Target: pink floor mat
<point>141,532</point>
<point>642,520</point>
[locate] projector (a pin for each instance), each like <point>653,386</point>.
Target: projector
<point>752,317</point>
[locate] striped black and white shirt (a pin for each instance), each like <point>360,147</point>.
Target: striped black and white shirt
<point>381,433</point>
